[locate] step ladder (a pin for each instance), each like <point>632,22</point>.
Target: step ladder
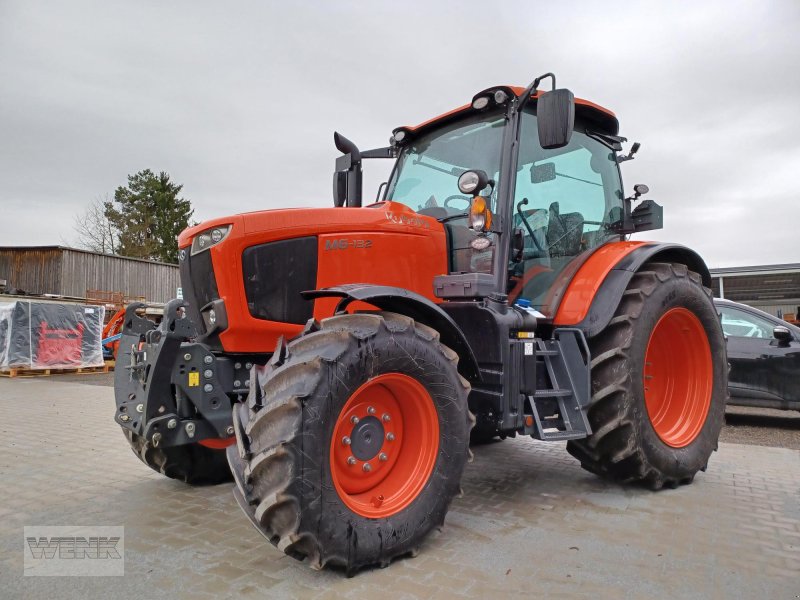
<point>565,359</point>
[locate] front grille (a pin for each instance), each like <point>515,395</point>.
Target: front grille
<point>275,274</point>
<point>199,285</point>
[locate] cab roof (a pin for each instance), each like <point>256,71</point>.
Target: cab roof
<point>598,116</point>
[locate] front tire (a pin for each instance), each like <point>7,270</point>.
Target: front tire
<point>194,464</point>
<point>351,446</point>
<point>659,382</point>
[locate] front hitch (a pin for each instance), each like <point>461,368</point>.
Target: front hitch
<point>170,390</point>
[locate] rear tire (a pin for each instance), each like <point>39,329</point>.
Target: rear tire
<point>647,428</point>
<point>298,479</point>
<point>193,464</point>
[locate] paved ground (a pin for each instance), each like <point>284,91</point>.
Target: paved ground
<point>530,521</point>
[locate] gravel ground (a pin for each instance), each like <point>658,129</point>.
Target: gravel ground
<point>743,425</point>
<point>762,427</point>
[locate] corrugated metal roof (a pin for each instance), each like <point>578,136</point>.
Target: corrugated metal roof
<point>734,271</point>
<point>43,248</point>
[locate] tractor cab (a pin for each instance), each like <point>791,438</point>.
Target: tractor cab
<point>526,185</point>
<point>559,203</point>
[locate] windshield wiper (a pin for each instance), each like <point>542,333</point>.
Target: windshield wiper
<point>613,142</point>
<point>451,217</point>
<point>455,171</point>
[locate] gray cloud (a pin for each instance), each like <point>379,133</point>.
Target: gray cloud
<point>239,101</point>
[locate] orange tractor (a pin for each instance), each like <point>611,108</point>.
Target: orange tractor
<point>337,362</point>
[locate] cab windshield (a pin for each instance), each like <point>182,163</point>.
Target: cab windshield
<point>426,180</point>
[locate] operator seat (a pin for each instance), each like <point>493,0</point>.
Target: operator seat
<point>564,232</point>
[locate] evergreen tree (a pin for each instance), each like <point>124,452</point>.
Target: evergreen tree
<point>148,215</point>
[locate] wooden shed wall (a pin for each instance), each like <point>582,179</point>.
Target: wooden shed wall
<point>35,270</point>
<point>69,272</point>
<point>81,271</point>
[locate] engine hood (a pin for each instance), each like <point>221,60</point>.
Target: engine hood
<point>292,222</point>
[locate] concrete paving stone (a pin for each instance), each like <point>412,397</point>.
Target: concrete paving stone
<point>530,521</point>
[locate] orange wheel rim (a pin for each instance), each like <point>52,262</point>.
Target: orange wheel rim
<point>218,443</point>
<point>678,377</point>
<point>384,445</point>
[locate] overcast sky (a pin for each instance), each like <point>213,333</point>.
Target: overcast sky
<point>239,100</point>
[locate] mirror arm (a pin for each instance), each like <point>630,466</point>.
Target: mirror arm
<point>526,95</point>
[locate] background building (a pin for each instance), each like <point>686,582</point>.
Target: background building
<point>77,273</point>
<point>772,288</point>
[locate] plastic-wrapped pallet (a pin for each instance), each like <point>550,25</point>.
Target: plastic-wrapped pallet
<point>50,335</point>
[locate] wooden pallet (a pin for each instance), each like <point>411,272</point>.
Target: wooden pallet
<point>28,372</point>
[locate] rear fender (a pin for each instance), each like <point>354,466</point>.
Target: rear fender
<point>595,291</point>
<point>405,302</point>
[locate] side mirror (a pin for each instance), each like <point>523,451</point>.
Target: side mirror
<point>782,334</point>
<point>555,114</point>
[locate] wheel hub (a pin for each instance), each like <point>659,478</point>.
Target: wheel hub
<point>367,438</point>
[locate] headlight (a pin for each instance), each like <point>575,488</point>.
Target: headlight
<point>210,237</point>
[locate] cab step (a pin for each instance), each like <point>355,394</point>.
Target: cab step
<point>559,410</point>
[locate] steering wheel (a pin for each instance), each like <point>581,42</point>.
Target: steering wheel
<point>466,199</point>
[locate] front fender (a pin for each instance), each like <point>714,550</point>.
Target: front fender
<point>595,291</point>
<point>406,302</point>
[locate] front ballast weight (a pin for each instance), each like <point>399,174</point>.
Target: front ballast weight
<point>170,390</point>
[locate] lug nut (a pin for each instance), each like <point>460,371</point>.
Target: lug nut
<point>208,388</point>
<point>187,356</point>
<point>208,373</point>
<point>125,418</point>
<point>382,457</point>
<point>367,467</point>
<point>237,383</point>
<point>386,418</point>
<point>346,441</point>
<point>229,430</point>
<point>351,460</point>
<point>140,408</point>
<point>371,410</point>
<point>237,365</point>
<point>354,420</point>
<point>390,436</point>
<point>208,359</point>
<point>172,424</point>
<point>248,366</point>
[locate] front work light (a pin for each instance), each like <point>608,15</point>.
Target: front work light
<point>480,103</point>
<point>472,182</point>
<point>210,237</point>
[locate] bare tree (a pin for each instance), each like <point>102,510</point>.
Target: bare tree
<point>95,232</point>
